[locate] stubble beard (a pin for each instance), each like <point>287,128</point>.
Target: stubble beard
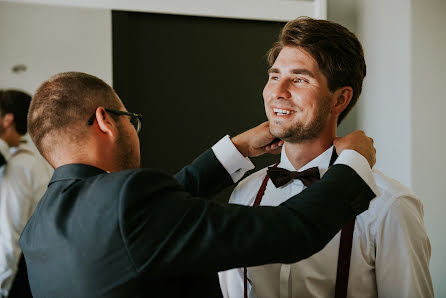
<point>126,157</point>
<point>301,132</point>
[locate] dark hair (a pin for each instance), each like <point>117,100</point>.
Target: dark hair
<point>62,105</point>
<point>17,103</point>
<point>337,51</point>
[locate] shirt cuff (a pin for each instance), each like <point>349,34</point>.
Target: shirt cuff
<point>360,165</point>
<point>231,159</point>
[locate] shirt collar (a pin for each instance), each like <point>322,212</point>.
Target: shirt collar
<point>75,172</point>
<point>322,161</point>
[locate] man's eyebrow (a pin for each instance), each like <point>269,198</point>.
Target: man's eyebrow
<point>302,71</point>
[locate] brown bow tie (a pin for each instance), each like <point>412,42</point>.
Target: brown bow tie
<point>280,176</point>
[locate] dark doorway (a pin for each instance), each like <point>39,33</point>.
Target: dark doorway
<point>194,79</point>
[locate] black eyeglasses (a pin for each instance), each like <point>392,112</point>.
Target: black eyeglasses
<point>135,119</point>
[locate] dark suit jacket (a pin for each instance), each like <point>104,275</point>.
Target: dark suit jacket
<point>140,233</point>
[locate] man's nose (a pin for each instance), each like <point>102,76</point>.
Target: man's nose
<point>282,90</point>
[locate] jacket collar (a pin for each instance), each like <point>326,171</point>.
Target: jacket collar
<point>74,172</point>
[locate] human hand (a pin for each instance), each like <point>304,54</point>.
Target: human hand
<point>359,142</point>
<point>257,141</point>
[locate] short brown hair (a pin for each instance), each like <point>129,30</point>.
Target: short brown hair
<point>15,102</point>
<point>337,51</point>
<point>62,105</point>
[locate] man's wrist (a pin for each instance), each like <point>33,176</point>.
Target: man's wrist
<point>240,145</point>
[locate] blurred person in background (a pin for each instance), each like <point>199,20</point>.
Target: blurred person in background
<point>24,177</point>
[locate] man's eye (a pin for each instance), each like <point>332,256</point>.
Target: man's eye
<point>299,80</point>
<point>274,78</point>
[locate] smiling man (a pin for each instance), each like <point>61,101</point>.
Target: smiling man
<point>316,74</point>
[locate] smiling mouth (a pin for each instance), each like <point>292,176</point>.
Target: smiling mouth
<point>281,112</point>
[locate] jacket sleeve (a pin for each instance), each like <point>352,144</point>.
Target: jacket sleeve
<point>167,232</point>
<point>205,176</point>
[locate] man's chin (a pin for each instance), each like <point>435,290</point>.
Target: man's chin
<point>296,135</point>
<point>278,131</point>
<point>281,135</point>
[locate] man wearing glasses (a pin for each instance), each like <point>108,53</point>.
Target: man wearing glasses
<point>135,119</point>
<point>106,228</point>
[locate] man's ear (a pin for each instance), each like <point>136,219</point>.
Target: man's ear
<point>106,124</point>
<point>8,120</point>
<point>343,96</point>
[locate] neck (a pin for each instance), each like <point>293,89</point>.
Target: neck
<point>91,152</point>
<point>299,154</point>
<point>12,138</point>
<point>83,157</point>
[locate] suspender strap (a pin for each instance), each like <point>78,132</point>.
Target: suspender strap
<point>256,203</point>
<point>245,282</point>
<point>262,189</point>
<point>345,251</point>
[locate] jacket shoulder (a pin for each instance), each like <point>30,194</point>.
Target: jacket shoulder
<point>138,182</point>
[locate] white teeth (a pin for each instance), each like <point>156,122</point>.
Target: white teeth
<point>281,112</point>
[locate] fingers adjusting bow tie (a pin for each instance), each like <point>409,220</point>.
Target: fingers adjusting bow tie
<point>281,176</point>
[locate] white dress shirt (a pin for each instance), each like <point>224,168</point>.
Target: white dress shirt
<point>390,250</point>
<point>23,181</point>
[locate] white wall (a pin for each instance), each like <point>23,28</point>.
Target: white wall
<point>49,40</point>
<point>403,102</point>
<point>345,12</point>
<point>384,110</point>
<point>275,10</point>
<point>429,125</point>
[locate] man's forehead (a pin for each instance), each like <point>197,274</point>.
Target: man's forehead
<point>295,56</point>
<point>295,60</point>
